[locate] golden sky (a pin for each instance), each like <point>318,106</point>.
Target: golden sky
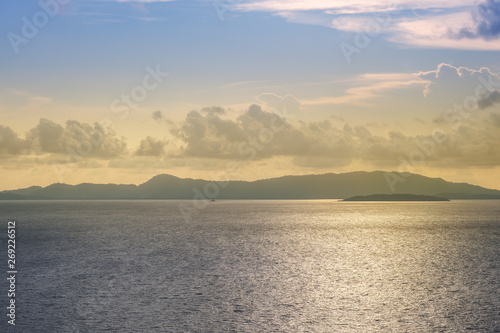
<point>117,92</point>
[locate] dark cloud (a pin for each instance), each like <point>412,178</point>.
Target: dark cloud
<point>489,99</point>
<point>486,20</point>
<point>77,138</point>
<point>269,135</point>
<point>46,137</point>
<point>208,135</point>
<point>261,135</point>
<point>96,140</point>
<point>157,115</point>
<point>10,143</point>
<point>151,147</point>
<point>320,143</point>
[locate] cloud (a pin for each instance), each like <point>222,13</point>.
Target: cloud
<point>436,24</point>
<point>104,142</point>
<point>157,115</point>
<point>270,135</point>
<point>461,81</point>
<point>139,1</point>
<point>16,99</point>
<point>437,29</point>
<point>370,86</point>
<point>245,84</point>
<point>214,110</point>
<point>10,143</point>
<point>288,104</point>
<point>472,144</point>
<point>320,144</point>
<point>434,31</point>
<point>486,22</point>
<point>212,137</point>
<point>84,139</point>
<point>208,135</point>
<point>134,10</point>
<point>348,6</point>
<point>151,147</point>
<point>46,137</point>
<point>489,99</point>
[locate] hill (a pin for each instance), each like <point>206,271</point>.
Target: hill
<point>396,197</point>
<point>326,186</point>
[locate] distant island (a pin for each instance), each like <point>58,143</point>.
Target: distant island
<point>395,197</point>
<point>325,186</point>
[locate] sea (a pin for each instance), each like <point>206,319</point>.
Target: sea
<point>253,266</point>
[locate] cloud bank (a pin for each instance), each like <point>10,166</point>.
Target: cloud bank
<point>49,137</point>
<point>275,132</point>
<point>321,144</point>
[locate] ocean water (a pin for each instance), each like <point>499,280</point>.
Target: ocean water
<point>254,266</point>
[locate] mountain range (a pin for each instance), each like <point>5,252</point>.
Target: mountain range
<point>325,186</point>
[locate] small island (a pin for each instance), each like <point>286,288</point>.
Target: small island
<point>396,197</point>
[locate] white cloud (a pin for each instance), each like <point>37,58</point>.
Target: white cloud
<point>458,81</point>
<point>369,86</point>
<point>440,32</point>
<point>347,5</point>
<point>443,83</point>
<point>461,24</point>
<point>138,1</point>
<point>19,98</point>
<point>288,104</point>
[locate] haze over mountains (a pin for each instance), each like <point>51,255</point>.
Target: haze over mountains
<point>326,186</point>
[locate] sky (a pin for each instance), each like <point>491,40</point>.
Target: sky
<point>117,91</point>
